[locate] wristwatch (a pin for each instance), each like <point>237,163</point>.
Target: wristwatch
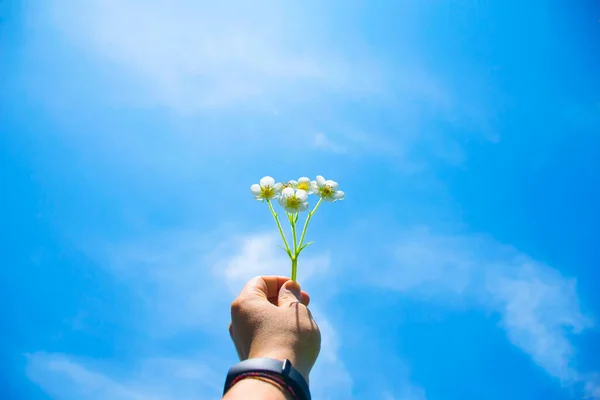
<point>279,370</point>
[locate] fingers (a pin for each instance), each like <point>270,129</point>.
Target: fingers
<point>289,293</point>
<point>269,288</point>
<point>305,298</point>
<point>265,287</point>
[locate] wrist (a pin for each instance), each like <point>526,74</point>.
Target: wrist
<point>282,355</point>
<point>278,373</point>
<point>251,388</point>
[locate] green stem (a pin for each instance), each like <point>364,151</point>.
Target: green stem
<point>310,214</point>
<point>287,247</point>
<point>294,268</point>
<point>292,218</point>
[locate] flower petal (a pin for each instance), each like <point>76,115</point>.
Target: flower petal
<point>281,201</point>
<point>267,181</point>
<point>287,192</point>
<point>339,195</point>
<point>289,209</point>
<point>255,189</point>
<point>303,206</point>
<point>278,186</point>
<point>329,199</point>
<point>303,179</point>
<point>301,195</point>
<point>320,180</point>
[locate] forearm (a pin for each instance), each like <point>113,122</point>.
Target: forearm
<point>254,389</point>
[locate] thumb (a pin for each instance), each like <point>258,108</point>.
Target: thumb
<point>289,293</point>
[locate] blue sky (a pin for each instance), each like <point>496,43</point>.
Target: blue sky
<point>463,263</point>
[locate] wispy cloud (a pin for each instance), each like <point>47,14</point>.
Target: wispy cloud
<point>204,54</point>
<point>539,307</point>
<point>232,61</point>
<point>406,393</point>
<point>184,286</point>
<point>66,377</point>
<point>592,386</point>
<point>189,278</point>
<point>260,254</point>
<point>321,141</point>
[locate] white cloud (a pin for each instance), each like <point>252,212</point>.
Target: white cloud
<point>539,307</point>
<point>172,277</point>
<point>330,379</point>
<point>262,59</point>
<point>260,254</point>
<point>400,386</point>
<point>187,280</point>
<point>592,386</point>
<point>321,141</point>
<point>406,393</point>
<point>65,377</point>
<point>202,54</point>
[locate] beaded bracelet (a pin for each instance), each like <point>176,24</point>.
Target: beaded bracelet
<point>265,377</point>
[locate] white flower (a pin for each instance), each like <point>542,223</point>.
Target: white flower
<point>290,184</point>
<point>327,189</point>
<point>302,184</point>
<point>267,189</point>
<point>293,200</point>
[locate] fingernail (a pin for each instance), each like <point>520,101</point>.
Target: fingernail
<point>294,289</point>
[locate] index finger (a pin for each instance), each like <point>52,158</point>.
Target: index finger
<point>265,287</point>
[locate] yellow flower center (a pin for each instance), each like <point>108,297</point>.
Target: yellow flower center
<point>304,186</point>
<point>267,192</point>
<point>293,202</point>
<point>326,191</point>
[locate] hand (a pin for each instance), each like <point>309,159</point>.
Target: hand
<point>270,319</point>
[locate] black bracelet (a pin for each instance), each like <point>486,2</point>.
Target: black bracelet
<point>293,380</point>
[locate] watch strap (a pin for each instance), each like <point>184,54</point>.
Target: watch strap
<point>269,366</point>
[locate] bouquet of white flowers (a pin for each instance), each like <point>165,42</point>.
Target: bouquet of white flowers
<point>293,197</point>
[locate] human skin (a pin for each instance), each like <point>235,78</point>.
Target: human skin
<point>270,319</point>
